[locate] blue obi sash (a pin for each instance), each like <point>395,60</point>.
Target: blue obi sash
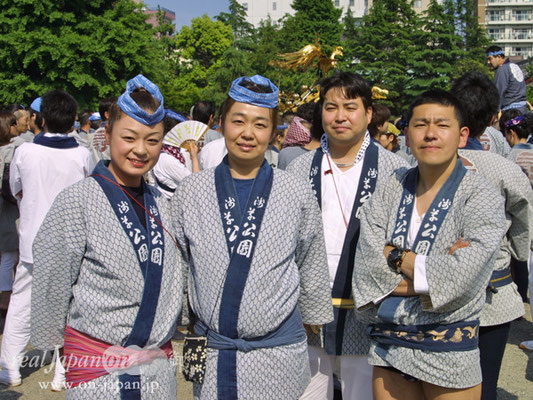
<point>241,232</point>
<point>459,336</point>
<point>342,287</point>
<point>56,142</point>
<point>499,279</point>
<point>425,238</point>
<point>149,245</point>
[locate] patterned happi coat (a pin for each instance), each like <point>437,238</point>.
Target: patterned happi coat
<point>457,283</point>
<point>86,274</point>
<point>522,154</point>
<point>509,180</point>
<point>355,340</point>
<point>288,269</point>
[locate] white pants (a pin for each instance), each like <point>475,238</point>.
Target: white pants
<point>356,376</point>
<point>17,327</point>
<point>8,259</point>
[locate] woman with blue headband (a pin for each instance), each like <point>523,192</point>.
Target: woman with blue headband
<point>252,236</point>
<point>106,283</point>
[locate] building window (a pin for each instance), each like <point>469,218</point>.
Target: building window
<point>496,33</point>
<point>522,51</point>
<point>495,15</point>
<point>521,15</point>
<point>417,4</point>
<point>274,6</point>
<point>352,3</point>
<point>245,6</point>
<point>337,3</point>
<point>522,33</point>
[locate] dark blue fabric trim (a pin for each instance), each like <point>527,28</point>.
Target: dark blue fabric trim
<point>239,266</point>
<point>524,146</point>
<point>422,337</point>
<point>473,144</point>
<point>315,175</point>
<point>130,387</point>
<point>152,267</point>
<point>56,142</point>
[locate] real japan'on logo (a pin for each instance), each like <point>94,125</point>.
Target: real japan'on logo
<point>251,212</point>
<point>408,199</point>
<point>233,232</point>
<point>249,229</point>
<point>373,173</point>
<point>156,239</point>
<point>422,247</point>
<point>136,235</point>
<point>314,171</point>
<point>154,211</point>
<point>227,218</point>
<point>434,215</point>
<point>125,221</point>
<point>143,252</point>
<point>429,230</point>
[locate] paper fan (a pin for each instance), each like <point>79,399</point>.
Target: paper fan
<point>188,130</point>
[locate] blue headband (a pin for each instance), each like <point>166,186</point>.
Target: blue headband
<point>243,95</point>
<point>496,53</point>
<point>36,104</point>
<point>130,107</point>
<point>176,116</point>
<point>95,117</point>
<point>515,121</point>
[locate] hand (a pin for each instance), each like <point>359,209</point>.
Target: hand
<point>193,149</point>
<point>312,329</point>
<point>460,244</point>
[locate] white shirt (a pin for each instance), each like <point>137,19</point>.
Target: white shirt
<point>421,284</point>
<point>212,153</point>
<point>170,171</point>
<point>39,173</point>
<point>334,226</point>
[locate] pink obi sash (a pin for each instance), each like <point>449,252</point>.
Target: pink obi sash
<point>87,358</point>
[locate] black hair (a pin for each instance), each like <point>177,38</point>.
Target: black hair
<point>479,99</point>
<point>441,97</point>
<point>306,111</point>
<point>494,49</point>
<point>353,86</point>
<point>105,105</point>
<point>203,110</point>
<point>83,118</point>
<point>380,115</point>
<point>58,110</point>
<point>506,116</point>
<point>316,126</point>
<point>170,122</point>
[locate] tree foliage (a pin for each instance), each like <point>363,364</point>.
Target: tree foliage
<point>89,48</point>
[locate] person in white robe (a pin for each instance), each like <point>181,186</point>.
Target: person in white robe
<point>343,172</point>
<point>38,172</point>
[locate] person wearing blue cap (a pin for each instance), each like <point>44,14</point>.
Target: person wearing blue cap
<point>107,278</point>
<point>508,78</point>
<point>252,236</point>
<point>38,172</point>
<point>36,119</point>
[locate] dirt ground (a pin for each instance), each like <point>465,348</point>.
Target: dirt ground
<point>516,377</point>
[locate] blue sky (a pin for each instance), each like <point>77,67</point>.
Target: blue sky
<point>188,9</point>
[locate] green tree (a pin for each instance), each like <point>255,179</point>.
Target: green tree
<point>383,47</point>
<point>439,48</point>
<point>89,48</point>
<point>199,49</point>
<point>312,18</point>
<point>236,18</point>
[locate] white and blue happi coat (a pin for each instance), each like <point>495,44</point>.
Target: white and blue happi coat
<point>457,283</point>
<point>276,276</point>
<point>346,335</point>
<point>505,304</point>
<point>98,270</point>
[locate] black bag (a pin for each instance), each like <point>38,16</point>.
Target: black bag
<point>194,358</point>
<point>6,190</point>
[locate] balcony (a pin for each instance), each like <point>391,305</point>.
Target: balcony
<point>506,19</point>
<point>508,3</point>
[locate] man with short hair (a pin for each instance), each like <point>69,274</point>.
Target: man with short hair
<point>429,238</point>
<point>204,111</point>
<point>97,142</point>
<point>38,172</point>
<point>36,119</point>
<point>344,172</point>
<point>503,303</point>
<point>509,79</point>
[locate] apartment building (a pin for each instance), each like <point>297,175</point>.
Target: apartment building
<point>259,10</point>
<point>509,24</point>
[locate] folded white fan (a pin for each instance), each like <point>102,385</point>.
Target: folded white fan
<point>184,131</point>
